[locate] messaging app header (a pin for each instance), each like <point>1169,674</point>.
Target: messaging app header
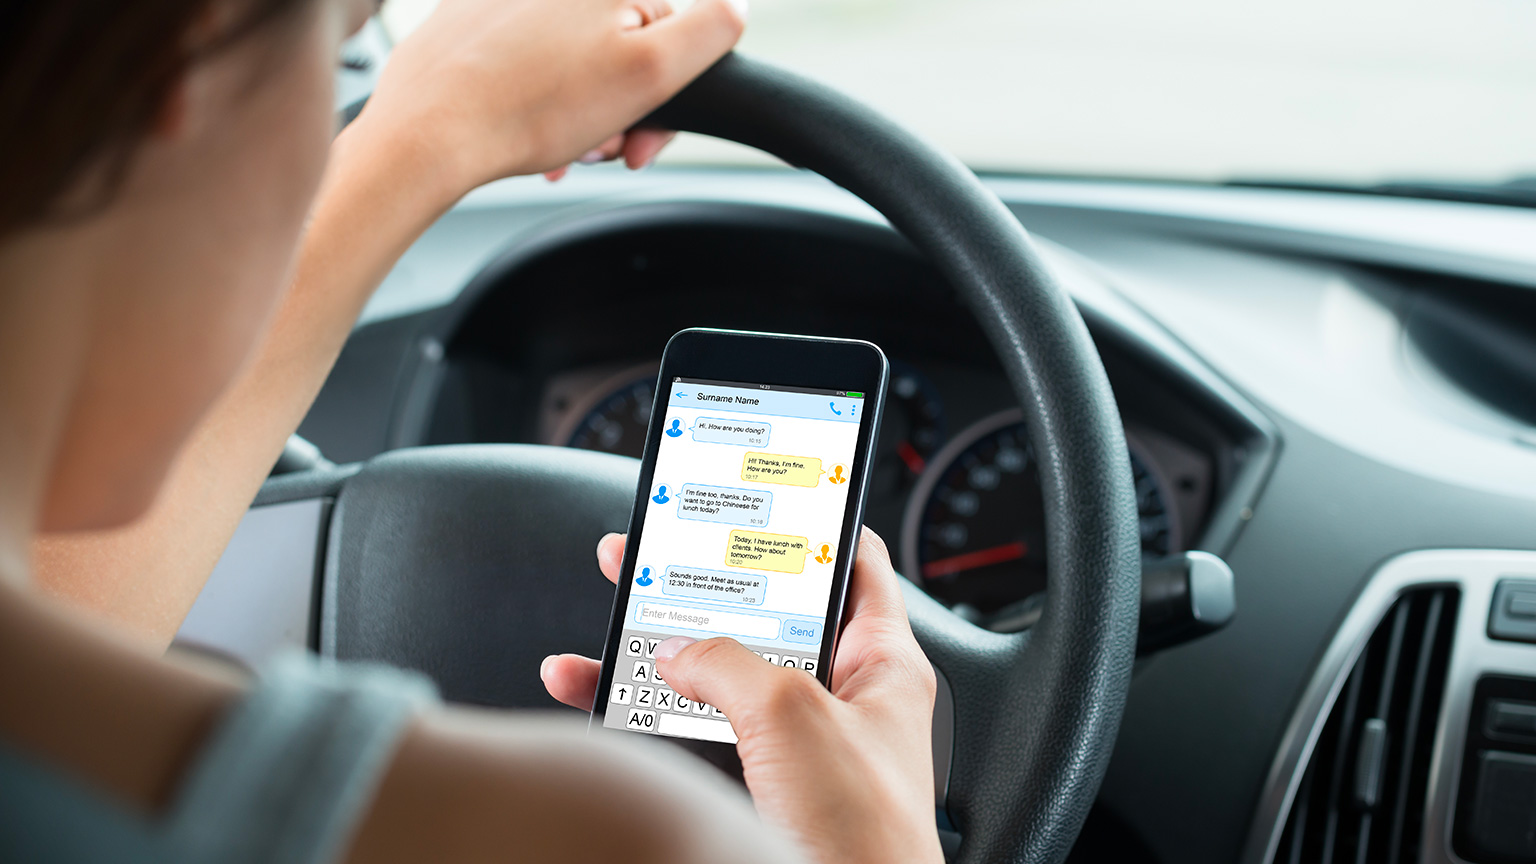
<point>837,406</point>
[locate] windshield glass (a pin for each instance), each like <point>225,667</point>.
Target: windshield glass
<point>1355,92</point>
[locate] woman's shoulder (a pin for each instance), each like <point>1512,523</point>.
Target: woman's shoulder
<point>317,762</point>
<point>284,772</point>
<point>292,767</point>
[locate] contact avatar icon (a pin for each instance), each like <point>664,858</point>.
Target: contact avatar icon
<point>837,475</point>
<point>661,496</point>
<point>644,580</point>
<point>826,554</point>
<point>676,430</point>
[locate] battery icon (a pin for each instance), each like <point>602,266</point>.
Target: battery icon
<point>854,394</point>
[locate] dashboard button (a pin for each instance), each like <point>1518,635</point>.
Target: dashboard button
<point>1512,720</point>
<point>1513,615</point>
<point>1504,818</point>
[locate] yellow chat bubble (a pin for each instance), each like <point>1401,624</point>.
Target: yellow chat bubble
<point>783,470</point>
<point>780,553</point>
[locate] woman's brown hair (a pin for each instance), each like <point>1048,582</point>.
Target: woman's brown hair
<point>81,83</point>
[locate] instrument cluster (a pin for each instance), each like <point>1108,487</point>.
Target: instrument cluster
<point>955,486</point>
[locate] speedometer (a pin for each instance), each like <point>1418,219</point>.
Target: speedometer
<point>974,532</point>
<point>614,415</point>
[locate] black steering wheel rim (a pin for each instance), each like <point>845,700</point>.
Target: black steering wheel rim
<point>1036,713</point>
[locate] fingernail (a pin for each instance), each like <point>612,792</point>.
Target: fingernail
<point>741,8</point>
<point>544,667</point>
<point>591,157</point>
<point>668,649</point>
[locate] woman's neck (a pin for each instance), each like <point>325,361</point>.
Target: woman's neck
<point>45,323</point>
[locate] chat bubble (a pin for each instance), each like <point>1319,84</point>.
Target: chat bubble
<point>743,433</point>
<point>717,585</point>
<point>780,553</point>
<point>724,504</point>
<point>783,470</point>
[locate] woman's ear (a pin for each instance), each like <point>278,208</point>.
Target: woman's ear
<point>211,27</point>
<point>171,119</point>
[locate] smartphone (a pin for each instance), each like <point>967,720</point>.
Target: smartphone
<point>746,519</point>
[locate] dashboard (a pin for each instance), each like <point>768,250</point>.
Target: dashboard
<point>954,486</point>
<point>953,472</point>
<point>1330,391</point>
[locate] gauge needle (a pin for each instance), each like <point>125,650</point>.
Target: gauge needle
<point>909,455</point>
<point>972,560</point>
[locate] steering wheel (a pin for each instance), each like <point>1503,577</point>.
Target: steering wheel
<point>462,561</point>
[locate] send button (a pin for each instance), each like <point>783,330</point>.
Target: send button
<point>804,632</point>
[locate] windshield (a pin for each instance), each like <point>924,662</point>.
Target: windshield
<point>1350,92</point>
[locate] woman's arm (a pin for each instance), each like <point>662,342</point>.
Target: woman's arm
<point>477,787</point>
<point>485,89</point>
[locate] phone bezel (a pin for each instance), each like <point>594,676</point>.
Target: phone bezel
<point>776,360</point>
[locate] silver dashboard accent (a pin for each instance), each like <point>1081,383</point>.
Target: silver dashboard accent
<point>1474,573</point>
<point>259,600</point>
<point>943,737</point>
<point>1212,589</point>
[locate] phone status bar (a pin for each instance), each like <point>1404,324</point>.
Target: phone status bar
<point>776,388</point>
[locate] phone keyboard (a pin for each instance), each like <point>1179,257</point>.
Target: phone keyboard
<point>649,705</point>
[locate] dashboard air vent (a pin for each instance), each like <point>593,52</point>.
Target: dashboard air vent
<point>1361,799</point>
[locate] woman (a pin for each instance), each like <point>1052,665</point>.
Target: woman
<point>183,250</point>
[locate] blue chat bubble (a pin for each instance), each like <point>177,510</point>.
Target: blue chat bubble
<point>716,585</point>
<point>723,504</point>
<point>743,433</point>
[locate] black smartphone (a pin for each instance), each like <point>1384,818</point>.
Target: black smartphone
<point>746,519</point>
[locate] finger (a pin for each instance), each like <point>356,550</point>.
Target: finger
<point>609,149</point>
<point>873,591</point>
<point>723,673</point>
<point>571,678</point>
<point>681,46</point>
<point>878,651</point>
<point>555,175</point>
<point>639,13</point>
<point>642,145</point>
<point>610,556</point>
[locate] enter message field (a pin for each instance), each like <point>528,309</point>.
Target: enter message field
<point>707,620</point>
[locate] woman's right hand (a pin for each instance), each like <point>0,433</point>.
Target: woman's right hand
<point>847,772</point>
<point>486,89</point>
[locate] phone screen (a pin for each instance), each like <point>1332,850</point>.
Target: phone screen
<point>740,539</point>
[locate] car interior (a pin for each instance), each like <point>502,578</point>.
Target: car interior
<point>1326,395</point>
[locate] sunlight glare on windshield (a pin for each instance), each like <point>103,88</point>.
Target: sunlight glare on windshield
<point>1342,91</point>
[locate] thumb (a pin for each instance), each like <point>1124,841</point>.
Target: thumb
<point>723,673</point>
<point>688,42</point>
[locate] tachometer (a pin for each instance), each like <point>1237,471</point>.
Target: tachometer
<point>974,532</point>
<point>616,420</point>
